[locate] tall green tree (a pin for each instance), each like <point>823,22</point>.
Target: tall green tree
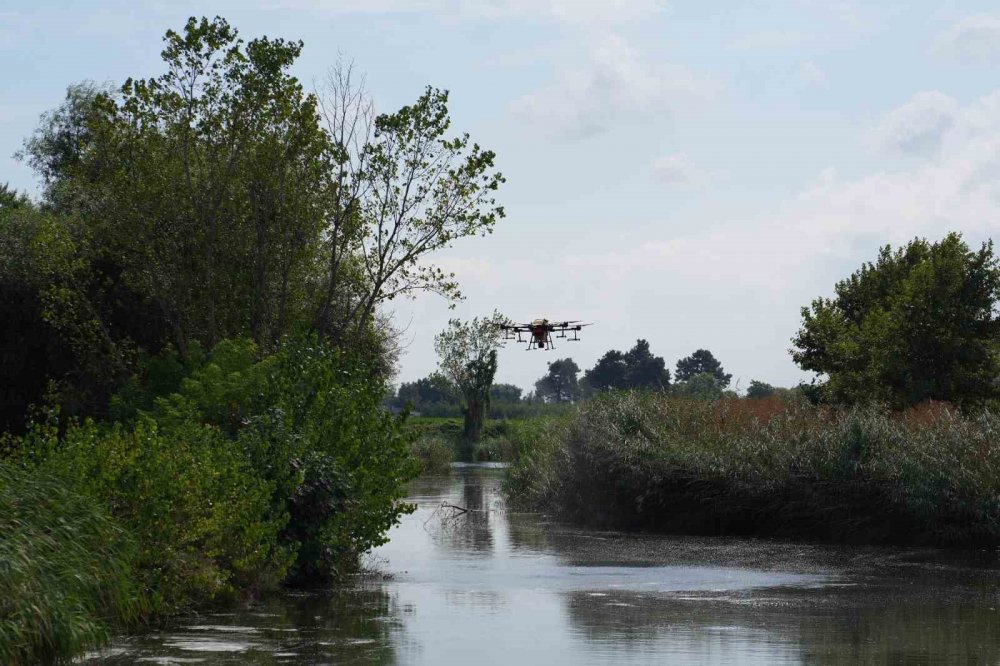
<point>919,323</point>
<point>427,394</point>
<point>204,188</point>
<point>560,383</point>
<point>402,188</point>
<point>467,353</point>
<point>701,361</point>
<point>645,370</point>
<point>637,368</point>
<point>505,393</point>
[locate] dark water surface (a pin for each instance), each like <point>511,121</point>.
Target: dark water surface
<point>489,586</point>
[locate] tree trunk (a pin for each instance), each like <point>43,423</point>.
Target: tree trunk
<point>473,427</point>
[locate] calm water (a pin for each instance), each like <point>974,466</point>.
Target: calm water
<point>490,586</point>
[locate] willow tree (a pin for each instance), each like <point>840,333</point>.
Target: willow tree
<point>468,357</point>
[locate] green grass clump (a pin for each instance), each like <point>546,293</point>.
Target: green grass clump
<point>503,440</point>
<point>66,571</point>
<point>766,467</point>
<point>434,452</point>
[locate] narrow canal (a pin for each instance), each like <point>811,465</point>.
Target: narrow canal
<point>465,581</point>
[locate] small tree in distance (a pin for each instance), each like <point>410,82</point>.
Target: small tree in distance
<point>758,389</point>
<point>560,384</point>
<point>467,354</point>
<point>500,393</point>
<point>634,369</point>
<point>701,361</point>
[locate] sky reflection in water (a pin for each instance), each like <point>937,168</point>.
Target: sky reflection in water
<point>490,586</point>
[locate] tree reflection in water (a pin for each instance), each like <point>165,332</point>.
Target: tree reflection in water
<point>843,628</point>
<point>349,624</point>
<point>462,520</point>
<point>497,587</point>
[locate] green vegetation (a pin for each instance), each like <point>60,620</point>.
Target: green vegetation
<point>66,570</point>
<point>252,472</point>
<point>921,323</point>
<point>502,440</point>
<point>195,353</point>
<point>560,383</point>
<point>770,468</point>
<point>468,358</point>
<point>635,369</point>
<point>435,453</point>
<point>195,360</point>
<point>864,454</point>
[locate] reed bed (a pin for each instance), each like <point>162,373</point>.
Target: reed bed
<point>65,571</point>
<point>770,468</point>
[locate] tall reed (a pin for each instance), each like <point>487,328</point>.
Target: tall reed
<point>767,467</point>
<point>65,571</point>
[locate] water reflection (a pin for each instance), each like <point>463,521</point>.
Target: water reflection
<point>481,584</point>
<point>461,522</point>
<point>354,624</point>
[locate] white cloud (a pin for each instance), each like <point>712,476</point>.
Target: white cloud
<point>766,40</point>
<point>752,272</point>
<point>813,74</point>
<point>919,125</point>
<point>974,39</point>
<point>678,170</point>
<point>616,87</point>
<point>586,12</point>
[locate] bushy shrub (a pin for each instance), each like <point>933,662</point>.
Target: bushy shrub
<point>767,467</point>
<point>66,570</point>
<point>325,404</point>
<point>189,497</point>
<point>434,452</point>
<point>253,471</point>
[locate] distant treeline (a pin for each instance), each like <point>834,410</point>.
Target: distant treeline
<point>699,375</point>
<point>897,442</point>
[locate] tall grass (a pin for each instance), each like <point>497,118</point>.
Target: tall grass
<point>65,571</point>
<point>767,467</point>
<point>504,440</point>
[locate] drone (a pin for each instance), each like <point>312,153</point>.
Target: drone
<point>541,330</point>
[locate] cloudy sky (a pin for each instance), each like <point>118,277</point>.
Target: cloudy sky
<point>687,172</point>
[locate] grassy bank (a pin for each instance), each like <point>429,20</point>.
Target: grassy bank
<point>438,441</point>
<point>769,468</point>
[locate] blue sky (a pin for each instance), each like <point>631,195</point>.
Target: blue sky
<point>690,173</point>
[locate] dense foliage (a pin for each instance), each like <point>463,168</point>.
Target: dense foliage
<point>220,200</point>
<point>768,467</point>
<point>920,323</point>
<point>251,472</point>
<point>440,440</point>
<point>701,362</point>
<point>634,369</point>
<point>66,570</point>
<point>193,344</point>
<point>560,383</point>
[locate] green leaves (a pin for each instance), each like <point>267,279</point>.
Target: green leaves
<point>415,191</point>
<point>918,324</point>
<point>467,354</point>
